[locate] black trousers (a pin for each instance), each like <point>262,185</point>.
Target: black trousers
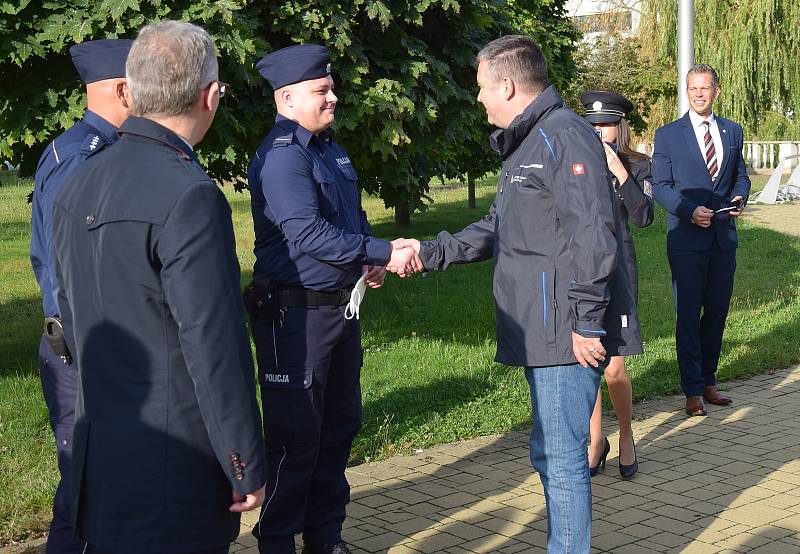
<point>309,364</point>
<point>59,387</point>
<point>700,281</point>
<point>223,550</point>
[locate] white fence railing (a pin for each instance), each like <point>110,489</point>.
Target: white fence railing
<point>768,154</point>
<point>761,156</point>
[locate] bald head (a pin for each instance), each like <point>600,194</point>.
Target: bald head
<point>106,98</point>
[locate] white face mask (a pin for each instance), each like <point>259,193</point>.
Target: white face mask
<point>356,296</point>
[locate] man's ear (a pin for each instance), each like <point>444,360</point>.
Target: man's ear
<point>287,98</point>
<point>210,96</point>
<point>509,88</point>
<point>126,95</point>
<point>121,93</point>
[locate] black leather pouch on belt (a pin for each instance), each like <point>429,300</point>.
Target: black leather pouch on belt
<point>258,301</point>
<point>54,334</point>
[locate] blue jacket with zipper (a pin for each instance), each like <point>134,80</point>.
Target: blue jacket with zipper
<point>553,234</point>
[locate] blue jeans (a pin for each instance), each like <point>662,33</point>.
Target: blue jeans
<point>562,398</point>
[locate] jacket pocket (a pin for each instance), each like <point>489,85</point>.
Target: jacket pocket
<point>549,307</point>
<point>349,172</point>
<point>530,178</point>
<point>329,194</point>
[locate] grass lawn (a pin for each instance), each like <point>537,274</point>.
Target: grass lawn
<point>428,373</point>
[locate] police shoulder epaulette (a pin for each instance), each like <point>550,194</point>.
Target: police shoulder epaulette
<point>92,144</point>
<point>284,140</point>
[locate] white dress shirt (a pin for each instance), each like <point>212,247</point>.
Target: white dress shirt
<point>700,134</point>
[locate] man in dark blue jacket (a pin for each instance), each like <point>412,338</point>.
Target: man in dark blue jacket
<point>699,175</point>
<point>561,297</point>
<point>101,65</point>
<point>167,444</point>
<point>313,244</point>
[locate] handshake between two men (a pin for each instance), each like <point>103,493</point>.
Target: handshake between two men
<point>405,258</point>
<point>405,261</point>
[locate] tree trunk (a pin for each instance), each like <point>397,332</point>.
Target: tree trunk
<point>470,190</point>
<point>402,217</point>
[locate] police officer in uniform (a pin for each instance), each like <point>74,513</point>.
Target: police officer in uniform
<point>606,111</point>
<point>167,447</point>
<point>313,243</point>
<point>101,65</point>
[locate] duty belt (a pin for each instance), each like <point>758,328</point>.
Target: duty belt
<point>291,296</point>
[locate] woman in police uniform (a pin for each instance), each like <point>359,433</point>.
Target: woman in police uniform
<point>606,111</point>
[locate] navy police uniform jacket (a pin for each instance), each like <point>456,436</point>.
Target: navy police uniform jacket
<point>60,158</point>
<point>553,234</point>
<point>167,423</point>
<point>635,203</point>
<point>682,183</point>
<point>309,226</point>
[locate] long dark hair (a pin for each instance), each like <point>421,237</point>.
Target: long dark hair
<point>626,154</point>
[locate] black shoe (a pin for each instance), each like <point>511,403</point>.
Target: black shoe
<point>338,548</point>
<point>630,470</point>
<point>602,463</point>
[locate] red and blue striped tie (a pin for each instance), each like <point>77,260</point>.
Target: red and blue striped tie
<point>711,152</point>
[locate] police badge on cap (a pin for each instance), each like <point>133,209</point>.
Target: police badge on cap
<point>605,106</point>
<point>293,64</point>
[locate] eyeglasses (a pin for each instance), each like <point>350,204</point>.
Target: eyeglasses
<point>222,88</point>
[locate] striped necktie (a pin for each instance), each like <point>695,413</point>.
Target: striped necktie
<point>711,152</point>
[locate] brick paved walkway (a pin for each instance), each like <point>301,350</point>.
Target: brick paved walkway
<point>729,482</point>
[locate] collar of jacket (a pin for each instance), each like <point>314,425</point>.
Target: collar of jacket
<point>106,129</point>
<point>505,141</point>
<point>143,127</point>
<point>302,134</point>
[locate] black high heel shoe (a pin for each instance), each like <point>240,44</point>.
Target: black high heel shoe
<point>630,470</point>
<point>602,463</point>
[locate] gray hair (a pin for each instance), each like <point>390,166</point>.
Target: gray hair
<point>703,68</point>
<point>168,65</point>
<point>519,58</point>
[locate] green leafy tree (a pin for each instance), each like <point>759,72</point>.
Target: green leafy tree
<point>406,79</point>
<point>43,95</point>
<point>404,71</point>
<point>753,45</point>
<point>618,63</point>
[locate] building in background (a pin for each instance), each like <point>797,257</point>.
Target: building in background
<point>595,17</point>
